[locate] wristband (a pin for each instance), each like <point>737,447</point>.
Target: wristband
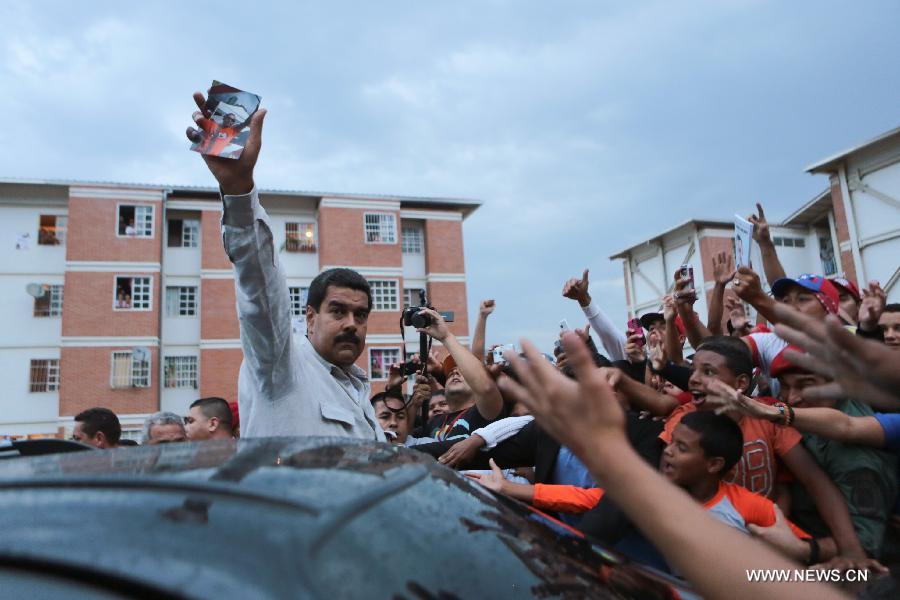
<point>790,415</point>
<point>813,551</point>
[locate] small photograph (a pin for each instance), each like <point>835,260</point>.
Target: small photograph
<point>225,133</point>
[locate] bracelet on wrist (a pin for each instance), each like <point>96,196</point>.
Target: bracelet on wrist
<point>813,551</point>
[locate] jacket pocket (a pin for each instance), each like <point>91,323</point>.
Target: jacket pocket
<point>337,414</point>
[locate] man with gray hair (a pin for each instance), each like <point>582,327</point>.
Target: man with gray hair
<point>164,428</point>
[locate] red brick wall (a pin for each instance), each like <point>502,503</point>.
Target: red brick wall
<point>218,310</point>
<point>93,228</point>
<point>342,240</point>
<point>710,247</point>
<point>84,383</point>
<point>219,372</point>
<point>212,252</point>
<point>89,307</point>
<point>451,296</point>
<point>444,247</point>
<point>842,228</point>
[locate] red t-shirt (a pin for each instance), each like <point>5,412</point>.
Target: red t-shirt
<point>763,443</point>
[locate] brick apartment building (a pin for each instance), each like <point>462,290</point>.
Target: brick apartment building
<point>122,296</point>
<point>850,229</point>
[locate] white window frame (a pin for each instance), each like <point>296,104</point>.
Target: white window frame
<point>55,293</point>
<point>133,372</point>
<point>301,226</point>
<point>297,307</point>
<point>408,300</point>
<point>61,239</point>
<point>182,302</point>
<point>51,368</point>
<point>187,372</point>
<point>397,301</point>
<point>186,241</point>
<point>387,370</point>
<point>137,235</point>
<point>392,230</point>
<point>419,237</point>
<point>133,277</point>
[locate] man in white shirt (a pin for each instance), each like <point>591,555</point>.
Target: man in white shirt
<point>290,386</point>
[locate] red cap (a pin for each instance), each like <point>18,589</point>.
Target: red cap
<point>847,285</point>
<point>781,365</point>
<point>448,365</point>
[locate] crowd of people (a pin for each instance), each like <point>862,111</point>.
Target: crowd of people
<point>773,443</point>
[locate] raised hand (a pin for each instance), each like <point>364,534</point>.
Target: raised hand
<point>634,347</point>
<point>486,307</point>
<point>872,305</point>
<point>577,289</point>
<point>760,226</point>
<point>670,311</point>
<point>747,286</point>
<point>235,176</point>
<point>438,328</point>
<point>723,267</point>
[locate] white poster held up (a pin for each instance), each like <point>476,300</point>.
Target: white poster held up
<point>743,241</point>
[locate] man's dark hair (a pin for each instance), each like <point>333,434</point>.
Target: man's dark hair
<point>734,350</point>
<point>383,396</point>
<point>893,307</point>
<point>719,436</point>
<point>215,407</point>
<point>100,419</point>
<point>346,278</point>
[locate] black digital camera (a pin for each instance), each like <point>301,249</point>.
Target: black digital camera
<point>412,318</point>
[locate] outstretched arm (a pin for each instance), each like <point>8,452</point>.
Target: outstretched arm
<point>611,337</point>
<point>771,265</point>
<point>487,396</point>
<point>484,311</point>
<point>723,272</point>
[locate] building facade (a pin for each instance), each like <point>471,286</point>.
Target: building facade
<point>851,229</point>
<point>122,295</point>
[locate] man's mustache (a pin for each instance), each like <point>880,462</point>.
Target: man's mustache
<point>347,337</point>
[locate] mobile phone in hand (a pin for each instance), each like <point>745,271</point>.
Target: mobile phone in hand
<point>635,327</point>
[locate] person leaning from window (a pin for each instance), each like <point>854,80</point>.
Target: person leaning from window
<point>307,386</point>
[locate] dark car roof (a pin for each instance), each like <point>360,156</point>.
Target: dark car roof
<point>284,518</point>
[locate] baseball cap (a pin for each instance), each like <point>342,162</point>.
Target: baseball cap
<point>824,290</point>
<point>650,318</point>
<point>847,285</point>
<point>781,365</point>
<point>448,365</point>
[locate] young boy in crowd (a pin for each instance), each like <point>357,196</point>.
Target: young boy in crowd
<point>766,446</point>
<point>704,448</point>
<point>889,322</point>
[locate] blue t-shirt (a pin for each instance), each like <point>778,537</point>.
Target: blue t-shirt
<point>890,422</point>
<point>569,470</point>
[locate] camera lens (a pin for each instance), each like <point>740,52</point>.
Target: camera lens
<point>421,321</point>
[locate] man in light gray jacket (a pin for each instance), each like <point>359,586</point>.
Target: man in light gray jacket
<point>288,386</point>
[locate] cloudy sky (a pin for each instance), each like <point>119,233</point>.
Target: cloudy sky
<point>584,126</point>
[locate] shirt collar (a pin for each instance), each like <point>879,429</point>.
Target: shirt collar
<point>352,370</point>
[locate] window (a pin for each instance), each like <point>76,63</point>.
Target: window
<point>52,230</point>
<point>826,255</point>
<point>381,228</point>
<point>788,242</point>
<point>380,361</point>
<point>132,293</point>
<point>384,294</point>
<point>130,369</point>
<point>300,237</point>
<point>136,220</point>
<point>298,300</point>
<point>183,233</point>
<point>44,375</point>
<point>412,238</point>
<point>181,372</point>
<point>50,304</point>
<point>181,301</point>
<point>411,297</point>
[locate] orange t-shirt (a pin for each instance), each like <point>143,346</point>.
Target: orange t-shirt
<point>764,441</point>
<point>732,504</point>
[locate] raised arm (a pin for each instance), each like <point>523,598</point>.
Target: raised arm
<point>747,286</point>
<point>672,341</point>
<point>611,337</point>
<point>487,396</point>
<point>639,395</point>
<point>484,311</point>
<point>771,265</point>
<point>260,284</point>
<point>723,273</point>
<point>684,302</point>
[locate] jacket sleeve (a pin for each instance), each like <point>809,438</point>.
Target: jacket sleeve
<point>566,498</point>
<point>501,430</point>
<point>263,302</point>
<point>610,336</point>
